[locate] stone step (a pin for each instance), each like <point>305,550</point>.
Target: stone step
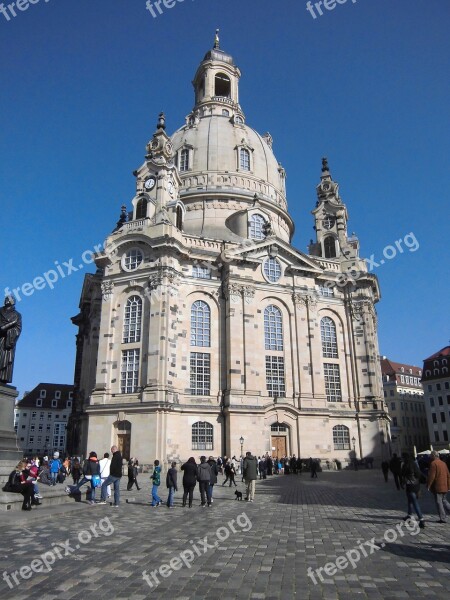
<point>52,496</point>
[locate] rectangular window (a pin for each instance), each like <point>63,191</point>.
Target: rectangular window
<point>332,382</point>
<point>32,427</point>
<point>441,402</point>
<point>436,436</point>
<point>129,375</point>
<point>391,392</point>
<point>275,376</point>
<point>49,415</point>
<point>184,160</point>
<point>49,427</point>
<point>430,388</point>
<point>447,385</point>
<point>69,403</point>
<point>31,439</point>
<point>43,393</point>
<point>57,394</point>
<point>326,291</point>
<point>41,427</point>
<point>41,416</point>
<point>438,387</point>
<point>47,439</point>
<point>434,417</point>
<point>402,379</point>
<point>445,434</point>
<point>431,401</point>
<point>442,417</point>
<point>54,403</point>
<point>39,402</point>
<point>200,373</point>
<point>33,414</point>
<point>394,421</point>
<point>201,272</point>
<point>392,405</point>
<point>59,435</point>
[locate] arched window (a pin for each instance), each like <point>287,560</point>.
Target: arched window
<point>202,436</point>
<point>329,340</point>
<point>341,437</point>
<point>222,85</point>
<point>132,320</point>
<point>329,247</point>
<point>179,218</point>
<point>244,159</point>
<point>200,324</point>
<point>184,160</point>
<point>256,227</point>
<point>273,328</point>
<point>141,208</point>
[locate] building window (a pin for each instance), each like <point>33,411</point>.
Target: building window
<point>49,415</point>
<point>445,434</point>
<point>225,112</point>
<point>43,393</point>
<point>69,404</point>
<point>48,427</point>
<point>436,436</point>
<point>129,371</point>
<point>391,393</point>
<point>257,227</point>
<point>329,247</point>
<point>141,208</point>
<point>200,324</point>
<point>41,427</point>
<point>341,437</point>
<point>438,387</point>
<point>332,382</point>
<point>434,417</point>
<point>222,85</point>
<point>184,160</point>
<point>32,427</point>
<point>275,376</point>
<point>200,374</point>
<point>440,401</point>
<point>201,272</point>
<point>47,439</point>
<point>272,270</point>
<point>132,320</point>
<point>278,428</point>
<point>132,259</point>
<point>31,439</point>
<point>57,394</point>
<point>329,340</point>
<point>273,328</point>
<point>179,218</point>
<point>70,395</point>
<point>326,291</point>
<point>41,416</point>
<point>392,405</point>
<point>39,402</point>
<point>59,436</point>
<point>54,403</point>
<point>244,159</point>
<point>431,401</point>
<point>442,417</point>
<point>33,414</point>
<point>394,421</point>
<point>202,436</point>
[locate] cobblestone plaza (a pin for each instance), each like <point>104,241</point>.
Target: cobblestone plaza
<point>296,523</point>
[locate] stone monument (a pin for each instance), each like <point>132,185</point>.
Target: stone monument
<point>10,329</point>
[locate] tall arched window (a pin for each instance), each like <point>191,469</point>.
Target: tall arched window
<point>329,340</point>
<point>329,247</point>
<point>141,208</point>
<point>273,328</point>
<point>202,436</point>
<point>341,437</point>
<point>184,160</point>
<point>200,324</point>
<point>244,159</point>
<point>132,320</point>
<point>222,85</point>
<point>256,227</point>
<point>179,218</point>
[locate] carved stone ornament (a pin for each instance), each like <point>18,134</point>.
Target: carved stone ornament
<point>249,294</point>
<point>107,290</point>
<point>309,299</point>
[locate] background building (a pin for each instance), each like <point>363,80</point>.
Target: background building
<point>403,393</point>
<point>436,385</point>
<point>203,324</point>
<point>41,417</point>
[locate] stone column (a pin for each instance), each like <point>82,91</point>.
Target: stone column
<point>9,452</point>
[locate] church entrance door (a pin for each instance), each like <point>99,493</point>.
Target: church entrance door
<point>279,443</point>
<point>124,443</point>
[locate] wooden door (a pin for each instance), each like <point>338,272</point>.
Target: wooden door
<point>279,443</point>
<point>124,443</point>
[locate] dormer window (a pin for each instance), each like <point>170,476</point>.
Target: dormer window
<point>256,227</point>
<point>43,393</point>
<point>225,112</point>
<point>222,85</point>
<point>244,159</point>
<point>39,402</point>
<point>57,394</point>
<point>239,120</point>
<point>184,160</point>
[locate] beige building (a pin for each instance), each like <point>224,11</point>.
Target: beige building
<point>436,385</point>
<point>403,393</point>
<point>203,324</point>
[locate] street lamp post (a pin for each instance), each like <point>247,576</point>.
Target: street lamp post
<point>241,440</point>
<point>354,453</point>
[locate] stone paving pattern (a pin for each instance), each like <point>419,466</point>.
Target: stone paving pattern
<point>297,522</point>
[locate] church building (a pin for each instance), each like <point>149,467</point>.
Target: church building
<point>204,330</point>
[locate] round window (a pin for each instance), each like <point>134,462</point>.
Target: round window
<point>272,270</point>
<point>132,259</point>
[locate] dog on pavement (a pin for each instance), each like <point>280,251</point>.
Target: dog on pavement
<point>238,495</point>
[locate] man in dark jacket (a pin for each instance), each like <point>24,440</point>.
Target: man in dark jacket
<point>189,480</point>
<point>214,472</point>
<point>250,475</point>
<point>115,474</point>
<point>395,466</point>
<point>204,479</point>
<point>172,483</point>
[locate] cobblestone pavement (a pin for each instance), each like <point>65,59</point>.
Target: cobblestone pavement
<point>294,524</point>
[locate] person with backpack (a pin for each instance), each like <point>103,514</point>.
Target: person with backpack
<point>171,482</point>
<point>189,480</point>
<point>214,472</point>
<point>91,468</point>
<point>55,467</point>
<point>250,475</point>
<point>156,479</point>
<point>411,477</point>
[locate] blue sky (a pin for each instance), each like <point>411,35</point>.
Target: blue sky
<point>366,84</point>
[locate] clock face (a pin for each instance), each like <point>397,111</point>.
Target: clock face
<point>328,222</point>
<point>150,183</point>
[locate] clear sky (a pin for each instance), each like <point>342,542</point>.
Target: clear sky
<point>366,84</point>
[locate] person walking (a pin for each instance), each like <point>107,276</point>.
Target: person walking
<point>189,480</point>
<point>411,476</point>
<point>132,475</point>
<point>55,467</point>
<point>114,477</point>
<point>250,475</point>
<point>105,465</point>
<point>385,469</point>
<point>171,482</point>
<point>262,466</point>
<point>214,472</point>
<point>395,465</point>
<point>90,467</point>
<point>313,467</point>
<point>438,482</point>
<point>204,480</point>
<point>76,471</point>
<point>156,480</point>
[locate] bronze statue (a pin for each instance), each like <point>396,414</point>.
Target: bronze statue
<point>10,328</point>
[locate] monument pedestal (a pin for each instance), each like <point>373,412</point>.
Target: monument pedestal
<point>9,452</point>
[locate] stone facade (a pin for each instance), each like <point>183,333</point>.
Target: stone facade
<point>436,386</point>
<point>203,324</point>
